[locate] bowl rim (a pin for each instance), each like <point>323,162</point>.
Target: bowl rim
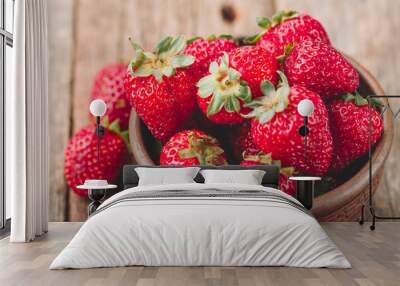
<point>329,202</point>
<point>349,190</point>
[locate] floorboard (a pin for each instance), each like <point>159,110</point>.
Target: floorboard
<point>375,257</point>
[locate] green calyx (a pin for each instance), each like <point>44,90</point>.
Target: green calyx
<point>359,100</point>
<point>273,101</point>
<point>260,157</point>
<point>166,58</point>
<point>205,149</point>
<point>225,88</point>
<point>288,171</point>
<point>116,128</point>
<point>288,49</point>
<point>266,159</point>
<point>266,24</point>
<point>214,37</point>
<point>211,37</point>
<point>277,19</point>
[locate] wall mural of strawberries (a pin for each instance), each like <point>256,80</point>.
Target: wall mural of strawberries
<point>232,99</point>
<point>250,95</point>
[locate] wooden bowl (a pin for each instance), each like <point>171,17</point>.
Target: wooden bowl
<point>340,204</point>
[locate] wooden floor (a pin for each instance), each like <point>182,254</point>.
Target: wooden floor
<point>375,257</point>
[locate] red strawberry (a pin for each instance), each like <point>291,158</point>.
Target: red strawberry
<point>109,86</point>
<point>206,51</point>
<point>259,158</point>
<point>349,121</point>
<point>285,184</point>
<point>191,148</point>
<point>221,94</point>
<point>81,156</point>
<point>160,89</point>
<point>243,142</point>
<point>255,65</point>
<point>288,27</point>
<point>320,68</point>
<point>276,122</point>
<point>234,82</point>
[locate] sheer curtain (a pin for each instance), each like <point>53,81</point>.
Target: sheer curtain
<point>27,124</point>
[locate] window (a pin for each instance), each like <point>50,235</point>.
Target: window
<point>6,60</point>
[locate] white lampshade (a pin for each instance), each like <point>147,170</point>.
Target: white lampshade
<point>305,107</point>
<point>98,107</point>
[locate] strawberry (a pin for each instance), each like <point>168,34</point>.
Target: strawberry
<point>81,156</point>
<point>285,184</point>
<point>259,158</point>
<point>288,27</point>
<point>321,68</point>
<point>221,94</point>
<point>276,122</point>
<point>160,89</point>
<point>349,121</point>
<point>255,65</point>
<point>206,51</point>
<point>191,148</point>
<point>234,82</point>
<point>242,141</point>
<point>109,86</point>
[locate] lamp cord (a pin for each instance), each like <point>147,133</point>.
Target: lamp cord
<point>98,138</point>
<point>305,138</point>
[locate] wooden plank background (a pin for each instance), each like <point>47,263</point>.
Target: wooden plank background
<point>87,34</point>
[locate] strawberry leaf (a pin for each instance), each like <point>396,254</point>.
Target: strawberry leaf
<point>205,149</point>
<point>168,71</point>
<point>264,22</point>
<point>225,61</point>
<point>182,61</point>
<point>287,50</point>
<point>212,37</point>
<point>356,98</point>
<point>163,45</point>
<point>251,40</point>
<point>134,45</point>
<point>106,121</point>
<point>125,137</point>
<point>267,88</point>
<point>226,36</point>
<point>143,71</point>
<point>215,105</point>
<point>213,68</point>
<point>282,16</point>
<point>164,61</point>
<point>115,127</point>
<point>191,40</point>
<point>158,75</point>
<point>273,101</point>
<point>207,86</point>
<point>359,100</point>
<point>287,171</point>
<point>225,86</point>
<point>232,105</point>
<point>186,154</point>
<point>245,93</point>
<point>176,46</point>
<point>266,116</point>
<point>348,97</point>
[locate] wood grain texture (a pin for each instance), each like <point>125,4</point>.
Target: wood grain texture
<point>96,44</point>
<point>160,18</point>
<point>375,258</point>
<point>60,18</point>
<point>103,27</point>
<point>353,29</point>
